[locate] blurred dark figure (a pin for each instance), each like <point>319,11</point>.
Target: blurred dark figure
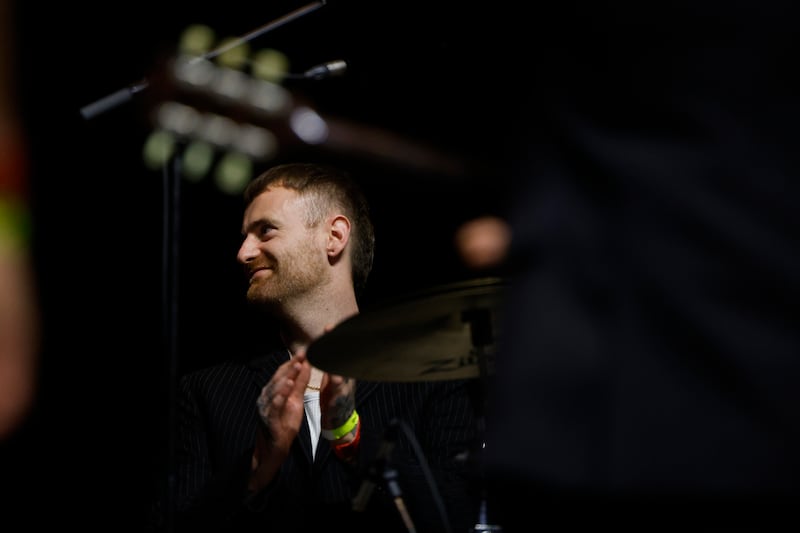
<point>647,375</point>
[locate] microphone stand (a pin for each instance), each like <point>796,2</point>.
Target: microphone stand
<point>126,94</point>
<point>169,284</point>
<point>171,247</point>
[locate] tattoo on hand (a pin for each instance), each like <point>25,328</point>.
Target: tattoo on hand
<point>344,408</point>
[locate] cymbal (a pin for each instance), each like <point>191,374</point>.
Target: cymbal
<point>447,332</point>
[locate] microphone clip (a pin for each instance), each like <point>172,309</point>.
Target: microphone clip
<point>326,70</point>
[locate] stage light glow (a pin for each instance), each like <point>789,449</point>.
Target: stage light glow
<point>256,142</point>
<point>270,97</point>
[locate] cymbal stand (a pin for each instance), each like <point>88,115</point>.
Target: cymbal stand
<point>482,337</point>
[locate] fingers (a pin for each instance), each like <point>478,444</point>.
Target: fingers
<point>290,378</point>
<point>303,374</point>
<point>337,399</point>
<point>336,380</point>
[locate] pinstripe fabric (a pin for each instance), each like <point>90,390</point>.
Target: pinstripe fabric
<point>216,433</point>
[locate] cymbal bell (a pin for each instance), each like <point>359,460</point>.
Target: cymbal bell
<point>447,332</point>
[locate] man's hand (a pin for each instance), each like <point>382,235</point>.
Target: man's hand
<point>337,400</point>
<point>280,408</point>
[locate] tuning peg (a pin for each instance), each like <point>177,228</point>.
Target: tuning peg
<point>197,160</point>
<point>196,40</point>
<point>235,55</point>
<point>233,172</point>
<point>271,65</point>
<point>158,149</point>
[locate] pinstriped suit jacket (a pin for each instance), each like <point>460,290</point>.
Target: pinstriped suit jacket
<point>217,423</point>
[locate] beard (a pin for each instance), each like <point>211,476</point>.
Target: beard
<point>296,273</point>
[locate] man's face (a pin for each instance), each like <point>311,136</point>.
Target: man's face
<point>283,258</point>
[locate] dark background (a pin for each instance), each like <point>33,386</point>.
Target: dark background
<point>116,326</point>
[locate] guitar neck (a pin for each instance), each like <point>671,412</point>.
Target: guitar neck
<point>384,146</point>
<point>240,102</point>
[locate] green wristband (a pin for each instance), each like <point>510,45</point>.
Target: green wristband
<point>344,429</point>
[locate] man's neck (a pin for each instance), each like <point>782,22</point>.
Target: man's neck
<point>307,320</point>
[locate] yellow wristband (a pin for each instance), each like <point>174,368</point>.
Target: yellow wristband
<point>344,429</point>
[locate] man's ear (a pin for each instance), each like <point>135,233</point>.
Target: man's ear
<point>339,235</point>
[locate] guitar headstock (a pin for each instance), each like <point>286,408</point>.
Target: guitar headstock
<point>226,113</point>
<point>219,114</point>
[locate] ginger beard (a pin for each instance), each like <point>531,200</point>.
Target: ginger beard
<point>298,271</point>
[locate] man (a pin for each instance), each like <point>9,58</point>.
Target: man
<point>278,445</point>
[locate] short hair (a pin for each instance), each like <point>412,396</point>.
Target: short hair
<point>325,186</point>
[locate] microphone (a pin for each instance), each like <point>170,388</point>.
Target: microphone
<point>326,70</point>
<point>377,467</point>
<point>113,100</point>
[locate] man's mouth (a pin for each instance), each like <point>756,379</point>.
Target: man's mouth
<point>258,272</point>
